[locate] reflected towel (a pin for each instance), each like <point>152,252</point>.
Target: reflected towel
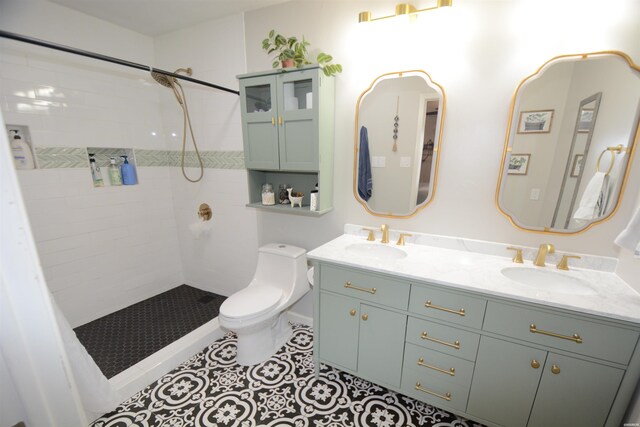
<point>593,203</point>
<point>630,236</point>
<point>365,184</point>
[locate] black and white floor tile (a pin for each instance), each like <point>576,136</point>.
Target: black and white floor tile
<point>212,390</point>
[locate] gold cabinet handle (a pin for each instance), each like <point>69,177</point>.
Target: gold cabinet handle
<point>353,312</point>
<point>280,120</point>
<point>575,338</point>
<point>357,288</point>
<point>446,396</point>
<point>273,121</point>
<point>555,369</point>
<point>425,336</point>
<point>517,258</point>
<point>451,371</point>
<point>460,312</point>
<point>535,364</point>
<point>365,317</point>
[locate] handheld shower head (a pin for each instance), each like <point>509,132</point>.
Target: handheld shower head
<point>165,80</point>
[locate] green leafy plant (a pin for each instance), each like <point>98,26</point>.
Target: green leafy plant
<point>290,48</point>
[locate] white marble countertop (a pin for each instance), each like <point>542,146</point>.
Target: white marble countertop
<point>480,272</point>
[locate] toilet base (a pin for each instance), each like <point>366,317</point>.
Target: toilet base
<point>260,343</point>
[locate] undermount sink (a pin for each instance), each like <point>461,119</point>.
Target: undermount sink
<point>546,280</point>
<point>377,251</point>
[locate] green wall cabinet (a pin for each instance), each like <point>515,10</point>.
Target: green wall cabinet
<point>498,361</point>
<point>287,127</point>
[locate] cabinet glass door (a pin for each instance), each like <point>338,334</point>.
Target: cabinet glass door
<point>298,127</point>
<point>258,103</point>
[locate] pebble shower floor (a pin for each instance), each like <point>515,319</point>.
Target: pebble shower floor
<point>210,389</point>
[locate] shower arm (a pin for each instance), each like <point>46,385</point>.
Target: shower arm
<point>88,54</point>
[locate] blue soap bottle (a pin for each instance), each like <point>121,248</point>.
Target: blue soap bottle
<point>128,172</point>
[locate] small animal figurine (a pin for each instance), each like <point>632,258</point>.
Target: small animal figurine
<point>296,198</point>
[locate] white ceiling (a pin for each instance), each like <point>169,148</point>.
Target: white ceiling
<point>155,17</point>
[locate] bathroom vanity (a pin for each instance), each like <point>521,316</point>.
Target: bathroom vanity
<point>450,328</point>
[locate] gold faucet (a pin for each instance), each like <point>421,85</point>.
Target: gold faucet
<point>385,233</point>
<point>545,248</point>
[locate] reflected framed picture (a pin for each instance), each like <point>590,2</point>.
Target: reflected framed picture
<point>538,121</point>
<point>519,164</point>
<point>586,117</point>
<point>577,165</point>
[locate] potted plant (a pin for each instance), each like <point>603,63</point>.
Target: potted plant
<point>292,52</point>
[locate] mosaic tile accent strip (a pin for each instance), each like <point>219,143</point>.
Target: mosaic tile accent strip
<point>153,158</point>
<point>61,157</point>
<point>71,157</point>
<point>211,389</point>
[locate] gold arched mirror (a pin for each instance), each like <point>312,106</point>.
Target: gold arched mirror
<point>572,133</point>
<point>399,123</point>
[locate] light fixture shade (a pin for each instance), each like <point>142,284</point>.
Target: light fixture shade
<point>364,17</point>
<point>444,3</point>
<point>404,9</point>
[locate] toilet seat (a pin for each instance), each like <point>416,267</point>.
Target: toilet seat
<point>251,302</point>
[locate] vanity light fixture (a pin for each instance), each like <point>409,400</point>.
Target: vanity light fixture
<point>402,9</point>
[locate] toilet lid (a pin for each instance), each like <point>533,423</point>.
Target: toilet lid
<point>251,302</point>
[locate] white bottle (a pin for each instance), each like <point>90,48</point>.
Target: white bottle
<point>22,155</point>
<point>314,200</point>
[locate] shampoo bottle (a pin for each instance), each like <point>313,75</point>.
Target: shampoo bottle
<point>96,175</point>
<point>114,173</point>
<point>128,172</point>
<point>22,155</point>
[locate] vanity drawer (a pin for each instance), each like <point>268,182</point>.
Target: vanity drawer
<point>366,287</point>
<point>438,392</point>
<point>442,338</point>
<point>438,365</point>
<point>452,307</point>
<point>605,342</point>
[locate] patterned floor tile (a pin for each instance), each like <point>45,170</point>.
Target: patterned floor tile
<point>212,390</point>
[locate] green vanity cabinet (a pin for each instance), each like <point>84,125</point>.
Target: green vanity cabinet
<point>287,127</point>
<point>495,360</point>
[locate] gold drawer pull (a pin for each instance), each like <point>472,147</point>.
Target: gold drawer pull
<point>460,312</point>
<point>555,369</point>
<point>350,286</point>
<point>273,121</point>
<point>280,120</point>
<point>575,338</point>
<point>426,336</point>
<point>365,317</point>
<point>451,371</point>
<point>353,312</point>
<point>535,364</point>
<point>446,396</point>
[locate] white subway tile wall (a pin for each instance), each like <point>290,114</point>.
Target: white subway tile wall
<point>105,248</point>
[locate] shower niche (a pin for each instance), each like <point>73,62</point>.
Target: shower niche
<point>100,172</point>
<point>287,129</point>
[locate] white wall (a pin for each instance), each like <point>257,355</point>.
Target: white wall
<point>479,52</point>
<point>222,261</point>
<point>101,248</point>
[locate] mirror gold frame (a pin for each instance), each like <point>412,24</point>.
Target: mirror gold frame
<point>507,148</point>
<point>436,148</point>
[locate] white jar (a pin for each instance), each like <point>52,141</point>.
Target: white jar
<point>268,196</point>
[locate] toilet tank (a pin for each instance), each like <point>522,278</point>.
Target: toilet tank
<point>282,266</point>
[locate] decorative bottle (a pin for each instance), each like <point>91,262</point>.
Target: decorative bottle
<point>96,175</point>
<point>114,173</point>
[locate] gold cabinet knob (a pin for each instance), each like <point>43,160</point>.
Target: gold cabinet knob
<point>535,364</point>
<point>353,312</point>
<point>555,369</point>
<point>365,317</point>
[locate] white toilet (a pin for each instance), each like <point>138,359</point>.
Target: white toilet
<point>257,313</point>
